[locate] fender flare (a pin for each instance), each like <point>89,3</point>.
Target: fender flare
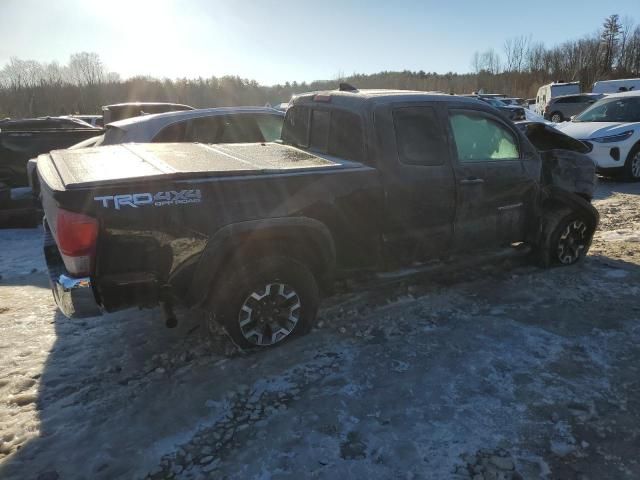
<point>235,236</point>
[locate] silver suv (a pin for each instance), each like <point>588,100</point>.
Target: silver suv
<point>563,108</point>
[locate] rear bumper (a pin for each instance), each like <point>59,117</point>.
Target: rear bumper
<point>74,296</point>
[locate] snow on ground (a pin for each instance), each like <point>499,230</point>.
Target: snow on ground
<point>500,370</point>
<point>20,252</point>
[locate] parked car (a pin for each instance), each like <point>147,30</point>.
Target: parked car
<point>41,123</point>
<point>210,125</point>
<point>93,120</point>
<point>553,90</point>
<point>22,140</point>
<point>517,101</point>
<point>515,113</point>
<point>616,86</point>
<point>560,109</point>
<point>612,127</point>
<point>252,232</point>
<point>120,111</point>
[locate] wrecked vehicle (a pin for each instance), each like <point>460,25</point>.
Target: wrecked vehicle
<point>252,233</point>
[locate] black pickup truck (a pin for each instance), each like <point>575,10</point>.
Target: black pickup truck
<point>252,233</point>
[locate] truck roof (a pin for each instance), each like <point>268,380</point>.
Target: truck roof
<point>368,97</point>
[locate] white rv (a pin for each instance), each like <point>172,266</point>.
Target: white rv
<point>616,86</point>
<point>552,90</point>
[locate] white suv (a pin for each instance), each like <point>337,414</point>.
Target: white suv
<point>612,127</point>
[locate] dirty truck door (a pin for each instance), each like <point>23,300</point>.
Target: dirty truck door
<point>418,181</point>
<point>493,188</point>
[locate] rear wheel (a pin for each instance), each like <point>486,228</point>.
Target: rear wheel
<point>265,301</point>
<point>557,117</point>
<point>632,165</point>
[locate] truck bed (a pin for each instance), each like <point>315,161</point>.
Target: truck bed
<point>116,164</point>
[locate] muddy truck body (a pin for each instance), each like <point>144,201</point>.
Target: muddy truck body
<point>252,233</point>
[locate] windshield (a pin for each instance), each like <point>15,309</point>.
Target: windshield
<point>612,110</point>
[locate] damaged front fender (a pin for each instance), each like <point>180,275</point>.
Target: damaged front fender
<point>570,171</point>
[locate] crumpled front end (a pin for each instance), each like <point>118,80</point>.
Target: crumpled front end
<point>571,171</point>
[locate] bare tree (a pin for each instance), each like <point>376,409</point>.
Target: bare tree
<point>609,37</point>
<point>86,68</point>
<point>515,50</point>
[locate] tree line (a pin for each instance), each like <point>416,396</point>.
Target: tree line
<point>84,83</point>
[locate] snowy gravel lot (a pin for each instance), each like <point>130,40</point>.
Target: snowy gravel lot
<point>496,371</point>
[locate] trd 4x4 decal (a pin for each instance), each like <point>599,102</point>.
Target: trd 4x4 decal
<point>158,199</point>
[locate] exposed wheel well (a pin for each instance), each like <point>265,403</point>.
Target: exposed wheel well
<point>301,244</point>
<point>296,244</point>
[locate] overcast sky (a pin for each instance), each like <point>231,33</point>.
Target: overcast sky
<point>275,41</point>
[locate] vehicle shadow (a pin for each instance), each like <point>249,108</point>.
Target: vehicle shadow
<point>91,373</point>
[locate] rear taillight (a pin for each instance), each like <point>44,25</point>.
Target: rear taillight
<point>76,235</point>
<point>546,109</point>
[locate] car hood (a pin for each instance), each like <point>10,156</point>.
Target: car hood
<point>587,130</point>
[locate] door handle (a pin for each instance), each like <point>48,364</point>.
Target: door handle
<point>471,181</point>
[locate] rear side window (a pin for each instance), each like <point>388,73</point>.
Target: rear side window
<point>419,138</point>
<point>335,132</point>
<point>479,138</point>
<point>296,126</point>
<point>320,123</point>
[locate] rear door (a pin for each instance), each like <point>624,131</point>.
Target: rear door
<point>418,180</point>
<point>494,190</point>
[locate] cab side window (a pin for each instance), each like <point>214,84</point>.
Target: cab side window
<point>419,137</point>
<point>479,138</point>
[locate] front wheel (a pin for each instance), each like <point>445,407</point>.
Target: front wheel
<point>568,238</point>
<point>556,117</point>
<point>265,301</point>
<point>632,165</point>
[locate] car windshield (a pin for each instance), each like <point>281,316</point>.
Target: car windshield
<point>616,109</point>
